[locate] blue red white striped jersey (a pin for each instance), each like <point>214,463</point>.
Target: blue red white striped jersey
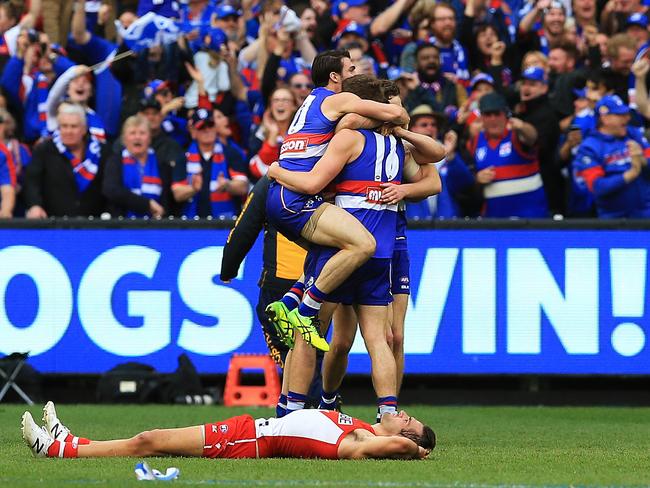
<point>359,192</point>
<point>308,134</point>
<point>517,189</point>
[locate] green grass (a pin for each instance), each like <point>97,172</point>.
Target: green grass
<point>479,447</point>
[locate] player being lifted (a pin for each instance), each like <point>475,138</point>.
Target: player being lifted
<point>362,164</point>
<point>306,434</point>
<point>306,216</point>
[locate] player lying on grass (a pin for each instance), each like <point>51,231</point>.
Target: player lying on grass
<point>304,434</point>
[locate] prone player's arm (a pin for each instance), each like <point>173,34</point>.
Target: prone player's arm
<point>387,447</point>
<point>336,156</point>
<point>242,237</point>
<point>348,103</point>
<point>424,149</point>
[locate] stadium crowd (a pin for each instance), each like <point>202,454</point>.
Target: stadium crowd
<point>542,105</point>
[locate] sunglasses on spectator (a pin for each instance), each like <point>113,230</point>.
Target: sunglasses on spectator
<point>491,113</point>
<point>426,124</point>
<point>302,86</point>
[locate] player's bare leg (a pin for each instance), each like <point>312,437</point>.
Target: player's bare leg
<point>398,316</point>
<point>372,323</point>
<point>335,362</point>
<point>186,441</point>
<point>303,363</point>
<point>339,229</point>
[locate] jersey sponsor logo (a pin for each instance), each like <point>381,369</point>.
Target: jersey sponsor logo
<point>373,194</point>
<point>505,149</point>
<point>295,145</point>
<point>344,419</point>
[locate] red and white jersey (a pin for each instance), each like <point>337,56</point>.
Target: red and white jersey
<point>306,434</point>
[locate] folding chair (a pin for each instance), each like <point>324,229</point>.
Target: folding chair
<point>10,376</point>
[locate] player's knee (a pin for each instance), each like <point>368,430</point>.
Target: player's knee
<point>398,341</point>
<point>367,246</point>
<point>144,443</point>
<point>390,338</point>
<point>340,348</point>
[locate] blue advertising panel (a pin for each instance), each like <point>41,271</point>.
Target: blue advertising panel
<point>483,301</point>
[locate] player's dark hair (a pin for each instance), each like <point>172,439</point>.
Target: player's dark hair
<point>390,89</point>
<point>366,87</point>
<point>325,63</point>
<point>426,440</point>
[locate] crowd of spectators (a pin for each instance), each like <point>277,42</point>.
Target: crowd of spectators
<point>542,104</point>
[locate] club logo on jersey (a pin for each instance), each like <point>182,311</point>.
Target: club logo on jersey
<point>295,145</point>
<point>344,419</point>
<point>223,428</point>
<point>373,194</point>
<point>505,149</point>
<point>481,152</point>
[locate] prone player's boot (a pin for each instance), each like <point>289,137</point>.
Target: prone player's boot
<point>277,313</point>
<point>55,428</point>
<point>309,329</point>
<point>36,438</point>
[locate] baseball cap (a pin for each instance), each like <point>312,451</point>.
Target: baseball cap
<point>154,87</point>
<point>202,117</point>
<point>217,39</point>
<point>611,104</point>
<point>344,5</point>
<point>481,78</point>
<point>492,102</point>
<point>534,73</point>
<point>637,19</point>
<point>146,103</point>
<point>224,11</point>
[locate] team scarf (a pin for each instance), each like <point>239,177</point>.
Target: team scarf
<point>84,170</point>
<point>42,90</point>
<point>221,201</point>
<point>141,180</point>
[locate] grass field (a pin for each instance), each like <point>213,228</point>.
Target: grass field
<point>479,447</point>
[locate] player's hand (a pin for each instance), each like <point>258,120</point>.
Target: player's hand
<point>486,176</point>
<point>391,193</point>
<point>273,171</point>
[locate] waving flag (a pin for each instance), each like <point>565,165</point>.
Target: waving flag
<point>149,30</point>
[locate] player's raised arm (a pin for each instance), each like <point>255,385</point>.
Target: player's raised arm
<point>340,150</point>
<point>343,103</point>
<point>423,148</point>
